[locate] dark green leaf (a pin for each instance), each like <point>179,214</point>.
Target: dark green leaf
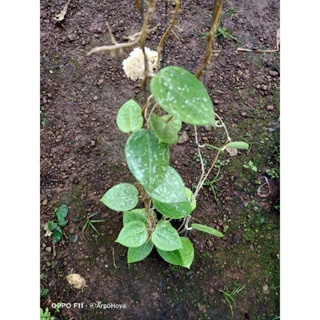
<point>139,253</point>
<point>181,257</point>
<point>57,234</point>
<point>176,210</point>
<point>52,225</point>
<point>206,229</point>
<point>147,158</point>
<point>123,196</point>
<point>183,96</point>
<point>133,234</point>
<point>165,237</point>
<point>129,118</point>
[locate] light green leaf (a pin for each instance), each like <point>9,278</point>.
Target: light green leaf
<point>206,229</point>
<point>165,237</point>
<point>181,257</point>
<point>165,131</point>
<point>237,145</point>
<point>147,158</point>
<point>133,234</point>
<point>123,196</point>
<point>171,189</point>
<point>62,212</point>
<point>139,253</point>
<point>183,96</point>
<point>176,210</point>
<point>129,118</point>
<point>136,214</point>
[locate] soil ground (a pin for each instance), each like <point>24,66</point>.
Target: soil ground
<point>82,157</point>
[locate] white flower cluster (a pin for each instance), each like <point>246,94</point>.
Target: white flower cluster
<point>133,66</point>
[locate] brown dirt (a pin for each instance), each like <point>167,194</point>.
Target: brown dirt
<point>82,157</point>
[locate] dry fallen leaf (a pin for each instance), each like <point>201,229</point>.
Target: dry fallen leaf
<point>76,280</point>
<point>232,151</point>
<point>60,16</point>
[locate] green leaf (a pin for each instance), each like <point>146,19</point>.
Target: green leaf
<point>136,215</point>
<point>61,215</point>
<point>165,131</point>
<point>165,237</point>
<point>181,257</point>
<point>129,118</point>
<point>133,234</point>
<point>183,96</point>
<point>52,225</point>
<point>237,145</point>
<point>176,210</point>
<point>139,253</point>
<point>123,196</point>
<point>171,189</point>
<point>147,158</point>
<point>57,234</point>
<point>206,229</point>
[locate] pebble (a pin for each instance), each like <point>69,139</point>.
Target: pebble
<point>95,98</point>
<point>73,238</point>
<point>273,73</point>
<point>183,138</point>
<point>44,202</point>
<point>270,107</point>
<point>59,138</point>
<point>48,249</point>
<point>265,289</point>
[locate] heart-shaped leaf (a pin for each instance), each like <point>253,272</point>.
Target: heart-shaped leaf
<point>165,237</point>
<point>123,196</point>
<point>133,234</point>
<point>180,257</point>
<point>139,253</point>
<point>147,158</point>
<point>129,118</point>
<point>183,96</point>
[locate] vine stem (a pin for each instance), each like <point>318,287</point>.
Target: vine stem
<point>210,40</point>
<point>164,36</point>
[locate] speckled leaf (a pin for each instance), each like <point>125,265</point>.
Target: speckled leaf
<point>165,237</point>
<point>206,229</point>
<point>181,257</point>
<point>176,210</point>
<point>139,253</point>
<point>165,131</point>
<point>123,196</point>
<point>171,189</point>
<point>129,118</point>
<point>237,145</point>
<point>183,96</point>
<point>133,234</point>
<point>147,158</point>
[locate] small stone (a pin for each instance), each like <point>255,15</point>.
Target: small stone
<point>265,289</point>
<point>208,128</point>
<point>93,143</point>
<point>44,202</point>
<point>73,238</point>
<point>270,107</point>
<point>100,81</point>
<point>273,73</point>
<point>67,149</point>
<point>48,249</point>
<point>216,101</point>
<point>95,98</point>
<point>243,114</point>
<point>71,37</point>
<point>183,138</point>
<point>59,138</point>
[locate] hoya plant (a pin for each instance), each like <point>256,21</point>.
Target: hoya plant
<point>157,208</point>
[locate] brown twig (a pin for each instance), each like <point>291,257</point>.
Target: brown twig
<point>113,258</point>
<point>164,36</point>
<point>210,40</point>
<point>256,50</point>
